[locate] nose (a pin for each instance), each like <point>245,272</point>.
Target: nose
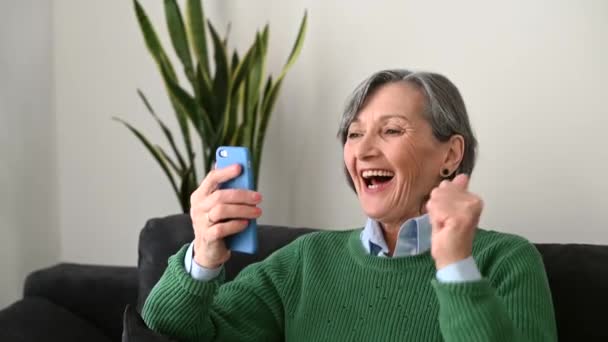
<point>367,147</point>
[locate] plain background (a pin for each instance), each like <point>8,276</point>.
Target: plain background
<point>76,186</point>
<point>29,211</point>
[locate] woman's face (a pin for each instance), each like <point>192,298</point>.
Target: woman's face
<point>391,154</point>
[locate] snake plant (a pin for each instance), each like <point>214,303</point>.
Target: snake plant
<point>228,100</point>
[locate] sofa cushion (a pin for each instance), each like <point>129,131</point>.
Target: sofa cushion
<point>136,330</point>
<point>37,319</point>
<point>162,237</point>
<point>95,293</point>
<point>578,277</point>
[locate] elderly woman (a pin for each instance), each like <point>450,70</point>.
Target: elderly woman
<point>420,269</point>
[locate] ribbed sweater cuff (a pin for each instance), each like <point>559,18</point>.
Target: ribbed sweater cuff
<point>471,312</point>
<point>186,282</point>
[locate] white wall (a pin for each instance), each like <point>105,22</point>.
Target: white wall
<point>532,73</point>
<point>29,234</point>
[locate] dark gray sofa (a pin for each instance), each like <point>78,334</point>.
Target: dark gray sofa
<point>72,302</point>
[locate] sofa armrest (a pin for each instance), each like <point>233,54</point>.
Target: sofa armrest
<point>98,294</point>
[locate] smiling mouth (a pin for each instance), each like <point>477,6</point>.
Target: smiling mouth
<point>375,178</point>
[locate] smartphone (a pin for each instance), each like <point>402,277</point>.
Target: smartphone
<point>247,240</point>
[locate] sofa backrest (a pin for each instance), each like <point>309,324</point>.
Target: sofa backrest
<point>578,277</point>
<point>578,274</point>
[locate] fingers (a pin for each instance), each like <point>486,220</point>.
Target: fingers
<point>217,176</point>
<point>436,223</point>
<point>208,207</point>
<point>212,181</point>
<point>462,181</point>
<point>444,184</point>
<point>222,212</point>
<point>219,231</point>
<point>231,196</point>
<point>448,199</point>
<point>450,208</point>
<point>225,205</point>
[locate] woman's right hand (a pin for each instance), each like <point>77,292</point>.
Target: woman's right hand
<point>217,213</point>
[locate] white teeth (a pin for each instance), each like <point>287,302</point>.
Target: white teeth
<point>381,173</point>
<point>372,186</point>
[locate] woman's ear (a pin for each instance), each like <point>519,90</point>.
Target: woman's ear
<point>454,153</point>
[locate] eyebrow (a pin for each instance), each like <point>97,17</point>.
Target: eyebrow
<point>385,117</point>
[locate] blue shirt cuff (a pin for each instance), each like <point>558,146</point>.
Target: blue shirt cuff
<point>197,271</point>
<point>461,271</point>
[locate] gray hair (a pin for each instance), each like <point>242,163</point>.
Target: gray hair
<point>445,109</point>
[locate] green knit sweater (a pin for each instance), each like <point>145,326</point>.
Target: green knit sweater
<point>325,287</point>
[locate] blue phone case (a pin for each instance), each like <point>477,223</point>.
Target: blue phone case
<point>247,240</point>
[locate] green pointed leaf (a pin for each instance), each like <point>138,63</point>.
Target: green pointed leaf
<point>152,43</point>
<point>153,151</point>
<point>231,119</point>
<point>250,131</point>
<point>255,75</point>
<point>207,131</point>
<point>235,61</point>
<point>225,40</point>
<point>254,83</point>
<point>180,112</point>
<point>265,37</point>
<point>268,104</point>
<point>242,69</point>
<point>297,47</point>
<point>209,161</point>
<point>267,108</point>
<point>165,67</point>
<point>267,89</point>
<point>177,31</point>
<point>168,159</point>
<point>206,97</point>
<point>221,82</point>
<point>184,101</point>
<point>264,46</point>
<point>187,105</point>
<point>195,17</point>
<point>272,92</point>
<point>187,187</point>
<point>165,130</point>
<point>237,136</point>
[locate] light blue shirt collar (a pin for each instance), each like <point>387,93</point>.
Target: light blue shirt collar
<point>414,237</point>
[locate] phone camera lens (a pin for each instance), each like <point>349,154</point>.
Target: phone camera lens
<point>223,153</point>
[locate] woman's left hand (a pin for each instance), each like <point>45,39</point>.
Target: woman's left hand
<point>454,214</point>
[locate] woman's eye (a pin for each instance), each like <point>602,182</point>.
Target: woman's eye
<point>352,135</point>
<point>392,131</point>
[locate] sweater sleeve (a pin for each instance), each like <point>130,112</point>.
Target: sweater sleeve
<point>249,308</point>
<point>513,302</point>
